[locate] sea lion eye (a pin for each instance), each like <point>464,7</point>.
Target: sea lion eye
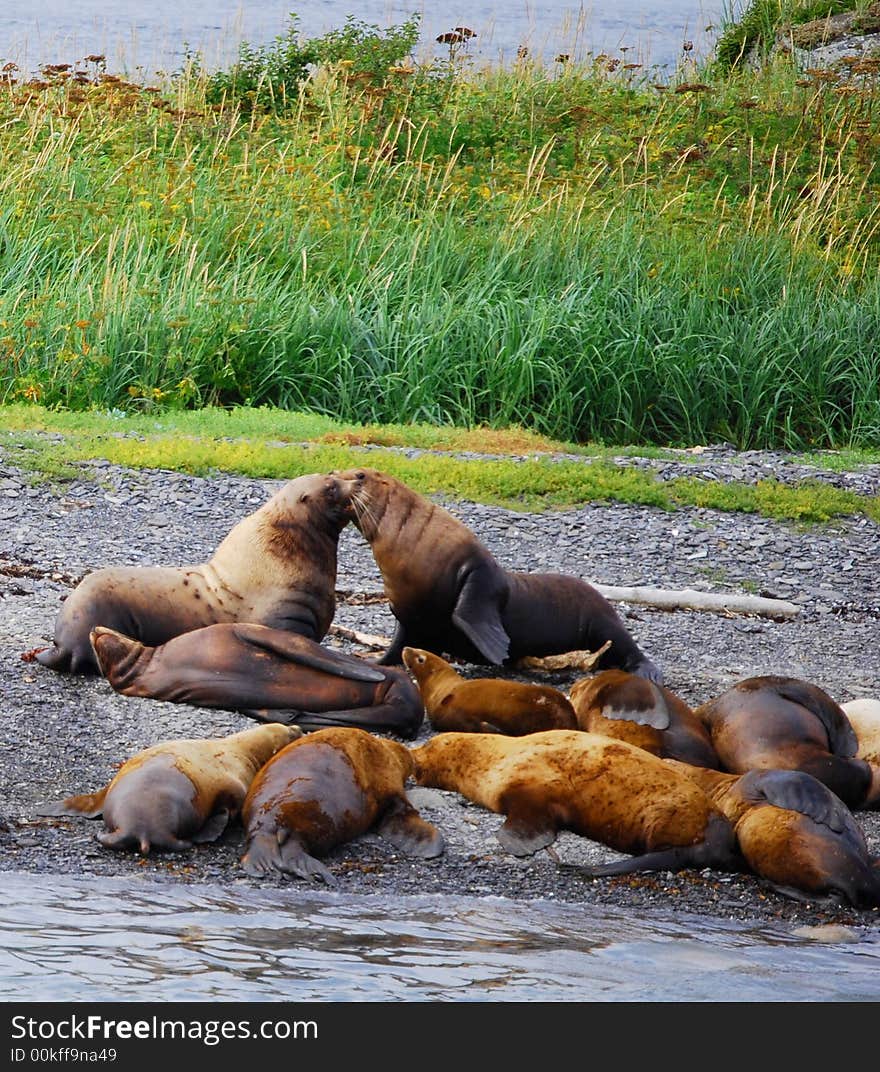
<point>360,475</point>
<point>304,497</point>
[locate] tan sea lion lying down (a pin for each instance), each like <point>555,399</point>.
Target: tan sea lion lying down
<point>180,792</point>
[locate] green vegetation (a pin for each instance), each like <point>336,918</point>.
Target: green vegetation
<point>584,251</point>
<point>763,20</point>
<point>270,444</point>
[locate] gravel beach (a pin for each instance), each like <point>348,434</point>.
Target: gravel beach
<point>65,735</point>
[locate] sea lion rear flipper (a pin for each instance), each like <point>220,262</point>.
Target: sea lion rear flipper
<point>478,615</point>
<point>408,831</point>
<point>841,736</point>
<point>297,649</point>
<point>213,827</point>
<point>796,791</point>
<point>89,805</point>
<point>666,860</point>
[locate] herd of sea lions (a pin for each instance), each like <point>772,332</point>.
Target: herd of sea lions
<point>761,778</point>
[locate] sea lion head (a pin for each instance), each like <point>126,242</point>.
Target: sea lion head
<point>369,497</point>
<point>326,496</point>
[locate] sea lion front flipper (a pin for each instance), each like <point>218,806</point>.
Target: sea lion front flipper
<point>796,791</point>
<point>89,805</point>
<point>523,838</point>
<point>638,700</point>
<point>408,831</point>
<point>297,649</point>
<point>213,827</point>
<point>296,861</point>
<point>286,716</point>
<point>841,736</point>
<point>477,614</point>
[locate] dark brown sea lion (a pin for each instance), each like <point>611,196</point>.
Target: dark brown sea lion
<point>449,595</point>
<point>266,673</point>
<point>631,708</point>
<point>606,790</point>
<point>794,832</point>
<point>178,793</point>
<point>485,705</point>
<point>772,721</point>
<point>864,717</point>
<point>325,790</point>
<point>276,567</point>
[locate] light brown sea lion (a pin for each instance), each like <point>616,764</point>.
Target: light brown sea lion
<point>449,595</point>
<point>180,792</point>
<point>631,708</point>
<point>266,673</point>
<point>276,567</point>
<point>606,790</point>
<point>864,717</point>
<point>325,790</point>
<point>794,832</point>
<point>485,705</point>
<point>780,722</point>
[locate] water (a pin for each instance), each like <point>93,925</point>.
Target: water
<point>152,36</point>
<point>131,940</point>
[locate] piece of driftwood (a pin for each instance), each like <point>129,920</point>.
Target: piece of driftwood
<point>691,599</point>
<point>569,660</point>
<point>366,640</point>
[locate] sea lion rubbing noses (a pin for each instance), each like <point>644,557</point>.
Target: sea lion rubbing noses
<point>276,567</point>
<point>485,705</point>
<point>265,673</point>
<point>179,792</point>
<point>449,594</point>
<point>605,790</point>
<point>325,790</point>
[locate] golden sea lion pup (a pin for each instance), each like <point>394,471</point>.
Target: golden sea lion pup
<point>266,673</point>
<point>794,832</point>
<point>276,567</point>
<point>633,709</point>
<point>178,793</point>
<point>325,790</point>
<point>864,717</point>
<point>772,721</point>
<point>449,595</point>
<point>485,705</point>
<point>606,790</point>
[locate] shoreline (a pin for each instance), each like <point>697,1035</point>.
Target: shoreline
<point>65,734</point>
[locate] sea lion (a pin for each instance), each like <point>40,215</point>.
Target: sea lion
<point>606,790</point>
<point>631,708</point>
<point>266,673</point>
<point>449,595</point>
<point>485,705</point>
<point>794,832</point>
<point>325,790</point>
<point>180,792</point>
<point>276,567</point>
<point>780,722</point>
<point>864,717</point>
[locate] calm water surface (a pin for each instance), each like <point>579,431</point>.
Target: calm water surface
<point>145,941</point>
<point>151,36</point>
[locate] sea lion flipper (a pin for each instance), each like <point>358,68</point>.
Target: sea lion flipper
<point>298,649</point>
<point>522,838</point>
<point>638,700</point>
<point>797,791</point>
<point>213,827</point>
<point>477,614</point>
<point>841,736</point>
<point>408,831</point>
<point>89,805</point>
<point>296,861</point>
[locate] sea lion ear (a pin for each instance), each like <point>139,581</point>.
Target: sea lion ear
<point>304,497</point>
<point>477,614</point>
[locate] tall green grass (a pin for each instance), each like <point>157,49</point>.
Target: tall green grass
<point>572,252</point>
